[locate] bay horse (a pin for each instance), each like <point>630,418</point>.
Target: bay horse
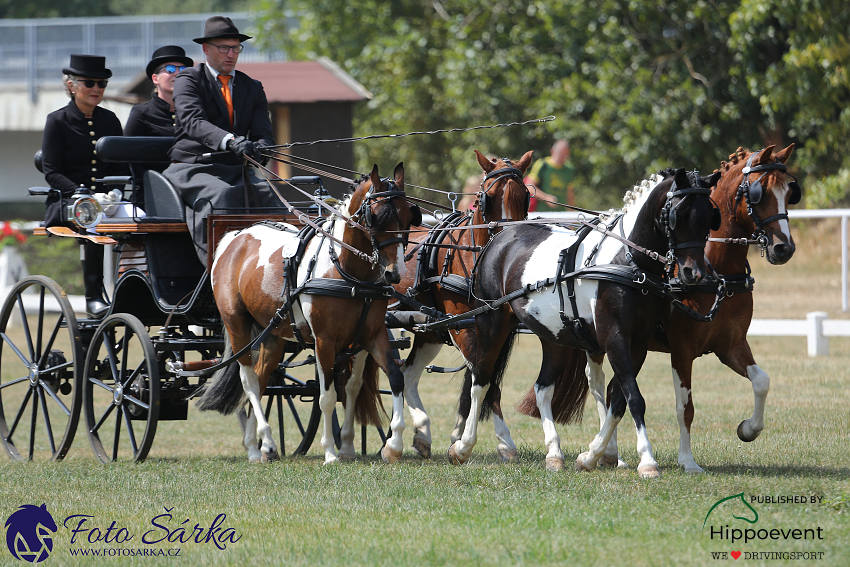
<point>753,194</point>
<point>666,222</point>
<point>335,301</point>
<point>439,277</point>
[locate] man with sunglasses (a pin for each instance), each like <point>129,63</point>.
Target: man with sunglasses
<point>222,116</point>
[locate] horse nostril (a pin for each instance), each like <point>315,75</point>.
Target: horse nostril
<point>780,250</point>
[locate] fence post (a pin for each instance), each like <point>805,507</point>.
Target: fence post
<point>818,343</point>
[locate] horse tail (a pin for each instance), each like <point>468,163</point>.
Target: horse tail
<point>223,392</point>
<point>569,394</point>
<point>369,408</point>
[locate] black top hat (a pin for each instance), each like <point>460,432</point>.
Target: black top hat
<point>88,66</point>
<point>166,54</point>
<point>220,27</point>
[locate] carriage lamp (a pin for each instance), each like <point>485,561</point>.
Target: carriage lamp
<point>85,212</point>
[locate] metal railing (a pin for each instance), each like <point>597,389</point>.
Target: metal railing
<point>34,51</point>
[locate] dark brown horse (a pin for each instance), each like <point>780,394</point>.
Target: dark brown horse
<point>338,301</point>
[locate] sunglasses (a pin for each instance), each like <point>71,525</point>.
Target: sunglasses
<point>171,69</point>
<point>90,83</point>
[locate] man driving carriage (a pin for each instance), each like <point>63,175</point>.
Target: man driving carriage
<point>221,115</point>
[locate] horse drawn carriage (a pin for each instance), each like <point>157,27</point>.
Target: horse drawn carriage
<point>143,360</point>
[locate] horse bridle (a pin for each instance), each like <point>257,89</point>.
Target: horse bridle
<point>365,213</point>
<point>752,194</point>
<point>669,216</point>
<point>508,172</point>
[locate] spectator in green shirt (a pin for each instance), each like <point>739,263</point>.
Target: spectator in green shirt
<point>552,176</point>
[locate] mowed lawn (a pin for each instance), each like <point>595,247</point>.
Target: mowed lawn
<point>795,476</point>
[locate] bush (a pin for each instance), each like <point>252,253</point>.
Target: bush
<point>57,258</point>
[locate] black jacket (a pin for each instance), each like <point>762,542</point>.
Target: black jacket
<point>202,120</point>
<point>152,118</point>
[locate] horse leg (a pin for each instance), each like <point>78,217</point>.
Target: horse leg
<point>588,460</point>
<point>251,384</point>
<point>505,446</point>
<point>648,466</point>
<point>596,382</point>
<point>740,359</point>
<point>352,389</point>
<point>461,450</point>
<point>327,399</point>
<point>379,348</point>
<point>250,436</point>
<point>420,355</point>
<point>682,375</point>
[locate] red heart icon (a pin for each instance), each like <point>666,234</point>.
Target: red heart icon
<point>735,554</point>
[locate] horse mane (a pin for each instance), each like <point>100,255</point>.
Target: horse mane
<point>738,156</point>
<point>637,195</point>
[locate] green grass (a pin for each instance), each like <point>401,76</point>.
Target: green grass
<point>298,512</point>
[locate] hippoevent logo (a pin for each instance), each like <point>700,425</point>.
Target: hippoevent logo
<point>28,533</point>
<point>734,519</point>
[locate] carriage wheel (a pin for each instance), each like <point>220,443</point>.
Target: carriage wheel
<point>121,390</point>
<point>40,355</point>
<point>293,407</point>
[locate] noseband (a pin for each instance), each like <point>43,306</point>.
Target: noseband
<point>752,194</point>
<point>508,172</point>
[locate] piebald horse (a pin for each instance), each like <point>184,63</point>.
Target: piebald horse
<point>665,218</point>
<point>249,286</point>
<point>754,206</point>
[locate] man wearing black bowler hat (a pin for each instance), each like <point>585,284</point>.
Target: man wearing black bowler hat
<point>222,114</point>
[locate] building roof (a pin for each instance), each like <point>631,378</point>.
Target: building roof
<point>289,82</point>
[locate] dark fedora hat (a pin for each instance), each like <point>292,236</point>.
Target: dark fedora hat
<point>219,27</point>
<point>88,66</point>
<point>165,55</point>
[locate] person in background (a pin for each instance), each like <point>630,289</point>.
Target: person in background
<point>222,116</point>
<point>69,159</point>
<point>552,178</point>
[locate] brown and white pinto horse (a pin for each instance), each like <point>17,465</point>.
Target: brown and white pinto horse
<point>249,287</point>
<point>503,196</point>
<point>754,205</point>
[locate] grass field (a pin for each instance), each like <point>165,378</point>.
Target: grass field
<point>298,512</point>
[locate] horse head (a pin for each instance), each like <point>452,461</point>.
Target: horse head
<point>683,217</point>
<point>755,191</point>
<point>503,194</point>
<point>380,205</point>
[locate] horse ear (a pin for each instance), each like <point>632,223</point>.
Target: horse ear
<point>398,175</point>
<point>376,179</point>
<point>783,155</point>
<point>681,178</point>
<point>525,161</point>
<point>711,180</point>
<point>765,156</point>
<point>485,163</point>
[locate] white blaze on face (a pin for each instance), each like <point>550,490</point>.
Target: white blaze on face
<point>402,268</point>
<point>784,227</point>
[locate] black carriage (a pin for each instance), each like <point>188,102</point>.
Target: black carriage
<point>142,362</point>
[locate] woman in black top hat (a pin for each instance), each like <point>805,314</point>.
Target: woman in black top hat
<point>156,117</point>
<point>70,160</point>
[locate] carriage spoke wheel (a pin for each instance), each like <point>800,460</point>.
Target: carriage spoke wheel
<point>121,390</point>
<point>40,356</point>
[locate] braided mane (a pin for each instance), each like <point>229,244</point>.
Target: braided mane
<point>735,158</point>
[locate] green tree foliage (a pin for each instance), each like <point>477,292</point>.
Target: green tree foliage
<point>635,85</point>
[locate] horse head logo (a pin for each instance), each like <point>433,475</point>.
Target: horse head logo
<point>743,501</point>
<point>28,533</point>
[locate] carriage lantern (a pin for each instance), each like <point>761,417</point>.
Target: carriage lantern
<point>85,212</point>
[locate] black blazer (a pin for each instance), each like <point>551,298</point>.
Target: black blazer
<point>152,118</point>
<point>202,119</point>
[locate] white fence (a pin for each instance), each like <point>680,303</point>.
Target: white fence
<point>817,329</point>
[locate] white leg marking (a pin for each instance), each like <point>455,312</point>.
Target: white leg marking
<point>470,434</point>
<point>395,442</point>
<point>588,459</point>
<point>250,439</point>
<point>352,389</point>
<point>686,458</point>
<point>505,445</point>
<point>327,403</point>
<point>460,425</point>
<point>596,382</point>
<point>761,385</point>
<point>644,449</point>
<point>412,373</point>
<point>550,434</point>
<point>251,385</point>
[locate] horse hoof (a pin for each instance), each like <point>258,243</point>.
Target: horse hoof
<point>454,458</point>
<point>554,464</point>
<point>346,457</point>
<point>389,456</point>
<point>269,457</point>
<point>649,471</point>
<point>610,462</point>
<point>422,448</point>
<point>581,466</point>
<point>743,437</point>
<point>507,455</point>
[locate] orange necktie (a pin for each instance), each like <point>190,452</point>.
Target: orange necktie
<point>225,92</point>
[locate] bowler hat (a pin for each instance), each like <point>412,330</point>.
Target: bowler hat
<point>219,27</point>
<point>166,54</point>
<point>88,66</point>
